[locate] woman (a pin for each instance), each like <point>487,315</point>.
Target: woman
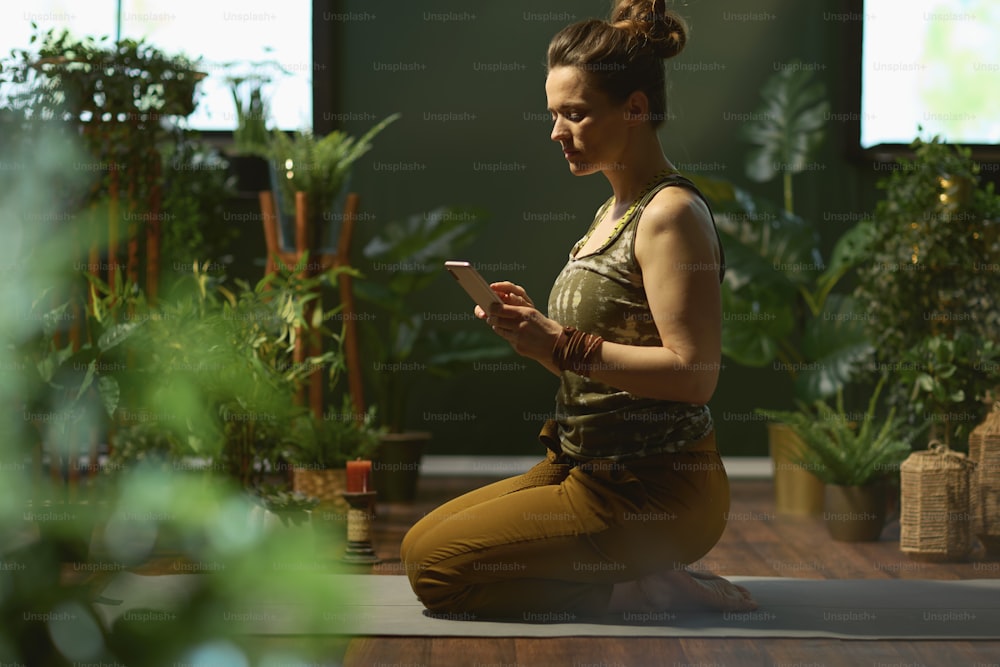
<point>633,488</point>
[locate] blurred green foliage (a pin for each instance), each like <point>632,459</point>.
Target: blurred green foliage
<point>192,378</point>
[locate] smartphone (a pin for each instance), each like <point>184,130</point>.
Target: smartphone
<point>473,283</point>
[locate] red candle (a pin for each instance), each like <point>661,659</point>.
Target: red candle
<point>359,476</point>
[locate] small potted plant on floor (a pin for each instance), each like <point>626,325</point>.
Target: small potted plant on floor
<point>320,453</point>
<point>278,509</point>
<point>854,460</point>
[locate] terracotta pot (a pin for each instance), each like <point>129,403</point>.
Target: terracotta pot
<point>796,490</point>
<point>855,513</point>
<point>396,465</point>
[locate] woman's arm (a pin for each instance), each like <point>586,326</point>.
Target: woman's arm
<point>679,257</point>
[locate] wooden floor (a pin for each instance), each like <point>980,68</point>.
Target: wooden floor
<point>756,543</point>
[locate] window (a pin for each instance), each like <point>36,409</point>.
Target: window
<point>220,32</point>
<point>933,64</point>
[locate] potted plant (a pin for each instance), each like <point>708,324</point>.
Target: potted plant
<point>404,259</point>
<point>854,460</point>
<point>69,390</point>
<point>278,509</point>
<point>251,137</point>
<point>123,100</point>
<point>779,295</point>
<point>319,457</point>
<point>933,288</point>
<point>317,166</point>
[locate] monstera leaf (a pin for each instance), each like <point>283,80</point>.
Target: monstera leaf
<point>756,321</point>
<point>767,244</point>
<point>454,349</point>
<point>851,249</point>
<point>789,126</point>
<point>777,300</point>
<point>835,344</point>
<point>763,242</point>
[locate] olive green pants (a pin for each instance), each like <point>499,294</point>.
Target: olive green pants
<point>550,544</point>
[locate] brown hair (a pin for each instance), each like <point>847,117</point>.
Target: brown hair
<point>625,54</point>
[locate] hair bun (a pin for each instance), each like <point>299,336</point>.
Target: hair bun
<point>649,21</point>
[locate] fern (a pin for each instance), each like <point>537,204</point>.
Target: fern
<point>842,453</point>
<point>318,167</point>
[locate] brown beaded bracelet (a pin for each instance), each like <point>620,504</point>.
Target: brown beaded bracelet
<point>573,349</point>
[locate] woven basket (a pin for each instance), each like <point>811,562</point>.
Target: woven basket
<point>984,491</point>
<point>934,521</point>
<point>327,484</point>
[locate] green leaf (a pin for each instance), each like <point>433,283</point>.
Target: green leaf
<point>788,127</point>
<point>834,345</point>
<point>852,248</point>
<point>755,321</point>
<point>766,243</point>
<point>421,243</point>
<point>117,334</point>
<point>88,379</point>
<point>406,337</point>
<point>107,387</point>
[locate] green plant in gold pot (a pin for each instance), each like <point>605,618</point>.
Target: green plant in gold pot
<point>855,456</point>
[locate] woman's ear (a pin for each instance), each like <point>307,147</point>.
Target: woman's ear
<point>637,108</point>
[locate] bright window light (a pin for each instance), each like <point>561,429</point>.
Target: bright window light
<point>933,64</point>
<point>238,33</point>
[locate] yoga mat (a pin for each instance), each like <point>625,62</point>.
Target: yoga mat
<point>789,607</point>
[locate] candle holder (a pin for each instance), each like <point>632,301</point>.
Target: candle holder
<point>359,520</point>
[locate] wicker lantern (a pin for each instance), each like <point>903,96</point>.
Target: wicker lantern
<point>984,491</point>
<point>934,517</point>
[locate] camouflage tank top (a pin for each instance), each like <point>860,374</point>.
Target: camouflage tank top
<point>603,293</point>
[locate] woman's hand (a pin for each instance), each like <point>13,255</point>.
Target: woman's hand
<point>517,321</point>
<point>510,293</point>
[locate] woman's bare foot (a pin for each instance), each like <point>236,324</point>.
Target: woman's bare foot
<point>681,590</point>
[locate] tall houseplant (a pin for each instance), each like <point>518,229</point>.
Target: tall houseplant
<point>404,259</point>
<point>933,288</point>
<point>779,295</point>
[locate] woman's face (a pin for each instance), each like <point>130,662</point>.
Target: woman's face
<point>590,129</point>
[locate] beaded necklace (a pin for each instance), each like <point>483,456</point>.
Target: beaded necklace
<point>628,213</point>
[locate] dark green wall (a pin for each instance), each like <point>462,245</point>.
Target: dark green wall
<point>434,62</point>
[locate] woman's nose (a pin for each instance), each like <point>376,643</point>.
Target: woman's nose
<point>559,130</point>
